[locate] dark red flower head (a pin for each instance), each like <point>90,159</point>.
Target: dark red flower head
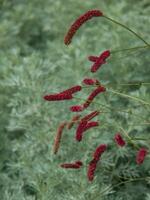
<point>58,97</point>
<point>90,81</point>
<point>77,108</point>
<point>100,61</point>
<point>72,90</point>
<point>141,155</point>
<point>64,95</point>
<point>58,137</point>
<point>80,130</point>
<point>78,23</point>
<point>91,170</point>
<point>93,95</point>
<point>75,165</point>
<point>99,151</point>
<point>119,140</point>
<point>93,58</point>
<point>91,125</point>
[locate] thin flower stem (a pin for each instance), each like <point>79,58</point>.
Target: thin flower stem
<point>127,28</point>
<point>140,138</point>
<point>112,109</point>
<point>123,84</point>
<point>141,124</point>
<point>129,84</point>
<point>123,182</point>
<point>128,96</point>
<point>129,49</point>
<point>131,180</point>
<point>125,55</point>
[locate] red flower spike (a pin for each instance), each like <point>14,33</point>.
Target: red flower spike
<point>90,116</point>
<point>72,90</point>
<point>78,23</point>
<point>92,165</point>
<point>93,58</point>
<point>89,81</point>
<point>98,152</point>
<point>119,140</point>
<point>71,165</point>
<point>90,125</point>
<point>141,156</point>
<point>100,61</point>
<point>73,121</point>
<point>64,95</point>
<point>91,170</point>
<point>58,137</point>
<point>58,97</point>
<point>93,95</point>
<point>77,108</point>
<point>80,130</point>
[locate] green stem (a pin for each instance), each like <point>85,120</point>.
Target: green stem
<point>130,97</point>
<point>136,179</point>
<point>130,49</point>
<point>124,84</point>
<point>112,109</point>
<point>140,138</point>
<point>132,84</point>
<point>128,181</point>
<point>127,28</point>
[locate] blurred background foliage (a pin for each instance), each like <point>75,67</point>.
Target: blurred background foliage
<point>34,61</point>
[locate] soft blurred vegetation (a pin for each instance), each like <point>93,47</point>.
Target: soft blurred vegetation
<point>34,61</point>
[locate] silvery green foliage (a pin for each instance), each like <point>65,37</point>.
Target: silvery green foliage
<point>34,61</point>
<point>148,196</point>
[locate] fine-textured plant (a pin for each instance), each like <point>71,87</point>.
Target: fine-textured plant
<point>34,62</point>
<point>84,124</point>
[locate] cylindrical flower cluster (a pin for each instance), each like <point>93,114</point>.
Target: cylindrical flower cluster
<point>90,81</point>
<point>75,165</point>
<point>93,164</point>
<point>64,95</point>
<point>119,140</point>
<point>100,61</point>
<point>141,156</point>
<point>93,95</point>
<point>58,137</point>
<point>78,23</point>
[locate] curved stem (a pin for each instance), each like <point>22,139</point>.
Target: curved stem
<point>134,84</point>
<point>127,28</point>
<point>130,97</point>
<point>131,180</point>
<point>123,182</point>
<point>130,49</point>
<point>112,109</point>
<point>123,84</point>
<point>140,138</point>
